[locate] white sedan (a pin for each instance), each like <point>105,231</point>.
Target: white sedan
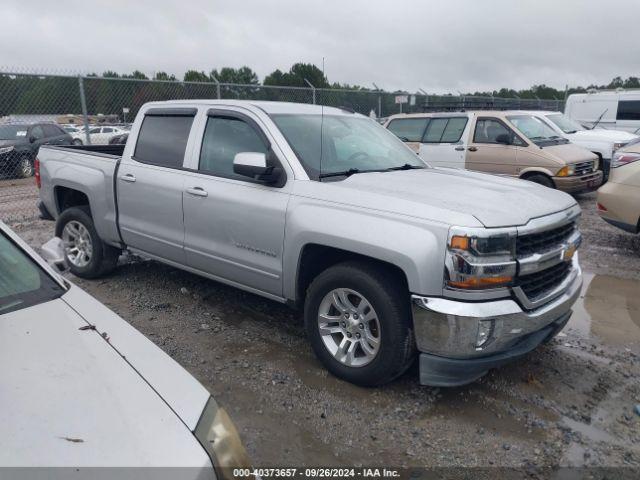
<point>99,135</point>
<point>81,389</point>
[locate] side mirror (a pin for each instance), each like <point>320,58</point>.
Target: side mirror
<point>53,253</point>
<point>255,165</point>
<point>504,138</point>
<point>32,139</point>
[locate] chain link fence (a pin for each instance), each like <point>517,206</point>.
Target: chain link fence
<point>37,109</point>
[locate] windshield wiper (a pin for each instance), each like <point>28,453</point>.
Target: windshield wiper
<point>344,173</point>
<point>406,166</point>
<point>352,171</point>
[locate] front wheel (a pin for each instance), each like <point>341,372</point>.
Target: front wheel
<point>86,254</point>
<point>24,168</point>
<point>541,179</point>
<point>358,321</point>
<point>77,141</point>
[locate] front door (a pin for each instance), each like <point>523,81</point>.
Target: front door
<point>234,226</point>
<point>150,186</point>
<point>493,147</point>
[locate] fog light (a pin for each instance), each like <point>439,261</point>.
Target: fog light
<point>485,331</point>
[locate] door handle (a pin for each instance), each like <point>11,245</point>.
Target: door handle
<point>128,178</point>
<point>197,192</point>
<point>473,149</point>
<point>459,149</point>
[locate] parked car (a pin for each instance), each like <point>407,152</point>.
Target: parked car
<point>600,141</point>
<point>510,143</point>
<point>619,200</point>
<point>119,139</point>
<point>19,144</point>
<point>324,209</point>
<point>610,109</point>
<point>73,372</point>
<point>99,135</point>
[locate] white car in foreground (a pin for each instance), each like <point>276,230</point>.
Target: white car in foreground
<point>600,141</point>
<point>81,389</point>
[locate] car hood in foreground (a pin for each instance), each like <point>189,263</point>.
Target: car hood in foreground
<point>72,398</point>
<point>446,195</point>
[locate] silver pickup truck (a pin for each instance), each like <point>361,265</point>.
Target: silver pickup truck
<point>325,210</point>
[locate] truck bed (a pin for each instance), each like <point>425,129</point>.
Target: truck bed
<point>114,150</point>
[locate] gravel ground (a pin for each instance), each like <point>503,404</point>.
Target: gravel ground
<point>569,403</point>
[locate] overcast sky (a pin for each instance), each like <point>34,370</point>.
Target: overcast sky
<point>440,46</point>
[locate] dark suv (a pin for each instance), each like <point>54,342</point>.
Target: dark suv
<point>19,145</point>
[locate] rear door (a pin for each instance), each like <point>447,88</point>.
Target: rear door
<point>493,147</point>
<point>234,226</point>
<point>150,184</point>
<point>410,130</point>
<point>442,143</point>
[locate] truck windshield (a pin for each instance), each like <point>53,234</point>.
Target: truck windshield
<point>565,124</point>
<point>536,130</point>
<point>13,132</point>
<point>22,282</point>
<point>330,144</point>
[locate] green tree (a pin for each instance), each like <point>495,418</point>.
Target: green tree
<point>196,76</point>
<point>296,76</point>
<point>243,75</point>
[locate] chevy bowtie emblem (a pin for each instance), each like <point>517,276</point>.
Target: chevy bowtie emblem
<point>568,253</point>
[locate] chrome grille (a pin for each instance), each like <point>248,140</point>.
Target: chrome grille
<point>584,168</point>
<point>539,283</point>
<point>541,242</point>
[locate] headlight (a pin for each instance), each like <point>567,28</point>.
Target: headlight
<point>217,434</point>
<point>5,150</point>
<point>479,259</point>
<point>624,158</point>
<point>618,145</point>
<point>566,171</point>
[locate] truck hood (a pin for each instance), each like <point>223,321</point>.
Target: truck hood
<point>70,399</point>
<point>602,135</point>
<point>452,196</point>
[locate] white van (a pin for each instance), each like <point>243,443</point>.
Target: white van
<point>611,109</point>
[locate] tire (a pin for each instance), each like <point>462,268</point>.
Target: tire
<point>98,258</point>
<point>77,141</point>
<point>24,168</point>
<point>390,306</point>
<point>541,179</point>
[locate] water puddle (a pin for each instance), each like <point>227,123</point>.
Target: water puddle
<point>608,309</point>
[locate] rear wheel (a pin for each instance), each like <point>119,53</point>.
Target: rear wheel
<point>77,141</point>
<point>358,321</point>
<point>541,179</point>
<point>86,254</point>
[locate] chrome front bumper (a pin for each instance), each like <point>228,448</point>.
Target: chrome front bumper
<point>449,328</point>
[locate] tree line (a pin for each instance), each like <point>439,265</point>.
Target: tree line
<point>60,95</point>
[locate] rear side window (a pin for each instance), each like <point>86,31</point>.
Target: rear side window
<point>408,129</point>
<point>224,137</point>
<point>628,110</point>
<point>445,130</point>
<point>163,140</point>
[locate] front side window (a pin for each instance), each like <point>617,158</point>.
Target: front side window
<point>224,138</point>
<point>94,131</point>
<point>163,140</point>
<point>408,129</point>
<point>488,130</point>
<point>22,282</point>
<point>628,110</point>
<point>37,132</point>
<point>52,131</point>
<point>339,143</point>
